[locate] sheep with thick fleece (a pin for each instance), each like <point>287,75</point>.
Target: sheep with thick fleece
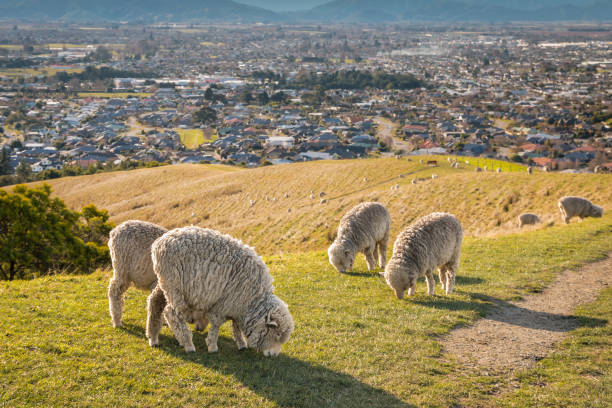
<point>365,228</point>
<point>205,272</point>
<point>528,219</point>
<point>130,250</point>
<point>571,206</point>
<point>433,241</point>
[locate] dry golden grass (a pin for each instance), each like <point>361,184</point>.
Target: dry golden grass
<point>219,197</point>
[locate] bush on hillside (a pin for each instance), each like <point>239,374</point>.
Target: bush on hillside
<point>39,235</point>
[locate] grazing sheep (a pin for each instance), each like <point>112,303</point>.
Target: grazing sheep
<point>252,202</point>
<point>498,170</point>
<point>395,187</point>
<point>545,169</point>
<point>449,159</point>
<point>530,170</point>
<point>365,179</point>
<point>433,241</point>
<point>528,219</point>
<point>286,195</point>
<point>434,176</point>
<point>597,169</point>
<point>467,162</point>
<point>486,168</point>
<point>323,201</point>
<point>130,251</point>
<point>578,207</point>
<point>365,228</point>
<point>478,169</point>
<point>321,194</point>
<point>414,181</point>
<point>312,196</point>
<point>402,176</point>
<point>421,161</point>
<point>203,271</point>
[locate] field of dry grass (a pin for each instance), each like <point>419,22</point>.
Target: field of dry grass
<point>219,197</point>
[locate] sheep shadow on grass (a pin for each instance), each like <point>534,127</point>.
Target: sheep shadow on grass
<point>284,380</point>
<point>509,313</point>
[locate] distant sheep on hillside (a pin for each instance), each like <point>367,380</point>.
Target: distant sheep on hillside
<point>578,207</point>
<point>486,168</point>
<point>433,241</point>
<point>201,270</point>
<point>528,219</point>
<point>365,228</point>
<point>498,170</point>
<point>478,169</point>
<point>530,170</point>
<point>434,176</point>
<point>130,251</point>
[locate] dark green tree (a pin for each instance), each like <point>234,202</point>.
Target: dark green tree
<point>206,115</point>
<point>5,165</point>
<point>40,235</point>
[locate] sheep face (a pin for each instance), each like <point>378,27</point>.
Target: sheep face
<point>400,279</point>
<point>273,329</point>
<point>341,258</point>
<point>596,211</point>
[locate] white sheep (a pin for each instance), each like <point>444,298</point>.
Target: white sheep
<point>486,168</point>
<point>203,271</point>
<point>251,202</point>
<point>478,169</point>
<point>498,170</point>
<point>528,219</point>
<point>414,181</point>
<point>434,176</point>
<point>323,201</point>
<point>130,251</point>
<point>311,196</point>
<point>529,170</point>
<point>364,228</point>
<point>433,241</point>
<point>578,207</point>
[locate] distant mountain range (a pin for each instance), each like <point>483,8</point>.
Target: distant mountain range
<point>373,11</point>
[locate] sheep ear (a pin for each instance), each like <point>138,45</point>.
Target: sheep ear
<point>346,252</point>
<point>270,322</point>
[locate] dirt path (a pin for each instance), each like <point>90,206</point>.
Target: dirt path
<point>516,335</point>
<point>386,133</point>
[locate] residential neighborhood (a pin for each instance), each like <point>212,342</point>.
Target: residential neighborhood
<point>269,94</point>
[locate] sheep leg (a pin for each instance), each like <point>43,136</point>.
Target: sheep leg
<point>179,327</point>
<point>412,289</point>
<point>156,302</point>
<point>450,278</point>
<point>431,282</point>
<point>375,253</point>
<point>369,258</point>
<point>382,251</point>
<point>116,289</point>
<point>442,275</point>
<point>238,337</point>
<point>201,323</point>
<point>213,335</point>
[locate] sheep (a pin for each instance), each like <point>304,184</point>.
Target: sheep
<point>449,159</point>
<point>545,169</point>
<point>130,251</point>
<point>529,170</point>
<point>578,207</point>
<point>486,168</point>
<point>432,241</point>
<point>321,194</point>
<point>364,228</point>
<point>252,202</point>
<point>312,196</point>
<point>528,219</point>
<point>201,270</point>
<point>478,169</point>
<point>323,201</point>
<point>287,195</point>
<point>421,161</point>
<point>434,176</point>
<point>498,170</point>
<point>597,169</point>
<point>395,187</point>
<point>365,179</point>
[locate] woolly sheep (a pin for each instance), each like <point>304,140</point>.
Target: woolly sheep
<point>323,201</point>
<point>130,251</point>
<point>312,196</point>
<point>578,207</point>
<point>434,176</point>
<point>421,161</point>
<point>432,241</point>
<point>498,170</point>
<point>478,169</point>
<point>529,169</point>
<point>201,270</point>
<point>528,219</point>
<point>449,159</point>
<point>364,228</point>
<point>321,194</point>
<point>414,181</point>
<point>486,168</point>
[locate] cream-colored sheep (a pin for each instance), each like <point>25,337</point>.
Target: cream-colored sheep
<point>433,241</point>
<point>528,219</point>
<point>365,228</point>
<point>205,272</point>
<point>571,206</point>
<point>130,250</point>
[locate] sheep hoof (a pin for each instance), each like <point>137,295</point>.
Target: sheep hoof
<point>213,349</point>
<point>153,343</point>
<point>190,349</point>
<point>241,348</point>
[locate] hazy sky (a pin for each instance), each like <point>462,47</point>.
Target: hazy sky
<point>284,5</point>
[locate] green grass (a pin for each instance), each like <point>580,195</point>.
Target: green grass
<point>354,345</point>
<point>192,138</point>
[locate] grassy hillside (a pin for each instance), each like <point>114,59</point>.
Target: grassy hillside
<point>219,197</point>
<point>354,345</point>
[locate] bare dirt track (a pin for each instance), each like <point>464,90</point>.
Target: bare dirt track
<point>518,334</point>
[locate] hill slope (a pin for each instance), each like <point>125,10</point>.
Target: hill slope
<point>219,197</point>
<point>458,10</point>
<point>132,10</point>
